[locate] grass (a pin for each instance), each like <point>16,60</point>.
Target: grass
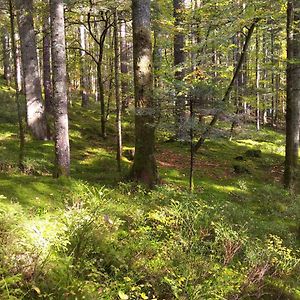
<point>96,236</point>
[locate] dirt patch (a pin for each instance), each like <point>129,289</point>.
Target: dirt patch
<point>172,160</point>
<point>277,172</point>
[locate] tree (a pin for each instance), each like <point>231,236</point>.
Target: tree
<point>47,83</point>
<point>60,99</point>
<point>6,55</point>
<point>124,66</point>
<point>36,118</point>
<point>230,87</point>
<point>179,59</point>
<point>17,87</point>
<point>144,167</point>
<point>83,67</point>
<point>99,39</point>
<point>293,93</point>
<point>117,91</point>
<point>257,78</point>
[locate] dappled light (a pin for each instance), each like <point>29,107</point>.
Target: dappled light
<point>149,150</point>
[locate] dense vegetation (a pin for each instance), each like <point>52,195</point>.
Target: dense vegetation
<point>90,236</point>
<point>161,168</point>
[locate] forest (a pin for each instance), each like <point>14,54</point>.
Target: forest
<point>149,149</point>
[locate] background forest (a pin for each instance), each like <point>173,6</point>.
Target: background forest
<point>149,149</point>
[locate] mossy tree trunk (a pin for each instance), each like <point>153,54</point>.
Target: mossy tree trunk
<point>60,99</point>
<point>293,94</point>
<point>144,167</point>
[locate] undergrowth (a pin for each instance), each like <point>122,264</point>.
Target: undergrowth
<point>96,237</point>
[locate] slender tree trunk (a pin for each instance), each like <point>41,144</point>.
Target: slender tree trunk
<point>47,83</point>
<point>83,67</point>
<point>157,46</point>
<point>226,97</point>
<point>101,99</point>
<point>144,167</point>
<point>124,66</point>
<point>257,80</point>
<point>265,52</point>
<point>117,93</point>
<point>277,98</point>
<point>19,74</point>
<point>293,94</point>
<point>274,108</point>
<point>6,55</point>
<point>239,84</point>
<point>179,60</point>
<point>157,56</point>
<point>17,88</point>
<point>60,99</point>
<point>192,153</point>
<point>36,118</point>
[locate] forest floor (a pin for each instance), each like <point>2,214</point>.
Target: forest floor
<point>96,236</point>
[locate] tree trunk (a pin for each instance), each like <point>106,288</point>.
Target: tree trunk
<point>101,99</point>
<point>83,68</point>
<point>264,117</point>
<point>293,94</point>
<point>6,55</point>
<point>257,80</point>
<point>144,167</point>
<point>274,108</point>
<point>17,87</point>
<point>36,118</point>
<point>19,73</point>
<point>47,83</point>
<point>124,66</point>
<point>60,99</point>
<point>117,93</point>
<point>226,97</point>
<point>179,59</point>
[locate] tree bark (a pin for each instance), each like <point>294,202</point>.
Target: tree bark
<point>84,85</point>
<point>17,87</point>
<point>257,79</point>
<point>60,99</point>
<point>117,92</point>
<point>144,167</point>
<point>179,59</point>
<point>6,55</point>
<point>293,94</point>
<point>36,118</point>
<point>47,83</point>
<point>19,73</point>
<point>124,66</point>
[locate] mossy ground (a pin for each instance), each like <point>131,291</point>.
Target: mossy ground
<point>235,237</point>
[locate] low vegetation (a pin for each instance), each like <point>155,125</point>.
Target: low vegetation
<point>89,237</point>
